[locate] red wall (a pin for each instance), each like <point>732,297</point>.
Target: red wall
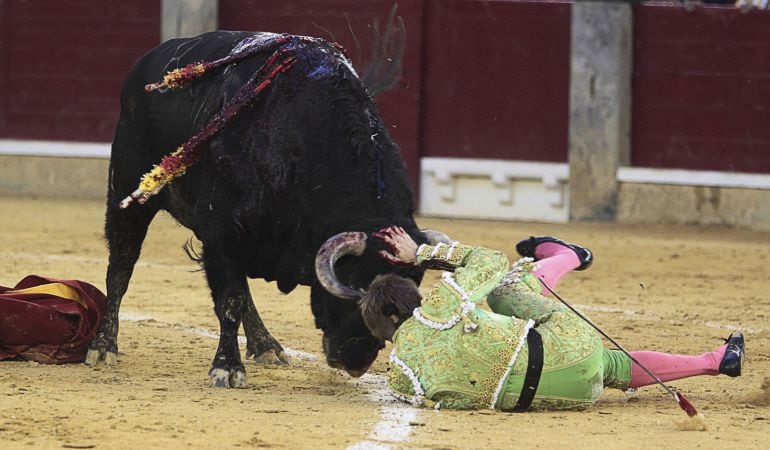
<point>483,79</point>
<point>64,62</point>
<point>701,89</point>
<point>496,79</point>
<point>5,28</point>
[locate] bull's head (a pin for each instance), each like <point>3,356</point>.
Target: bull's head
<point>373,315</point>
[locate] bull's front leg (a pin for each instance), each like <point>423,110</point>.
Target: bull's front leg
<point>259,342</point>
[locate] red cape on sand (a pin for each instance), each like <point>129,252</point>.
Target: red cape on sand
<point>49,321</point>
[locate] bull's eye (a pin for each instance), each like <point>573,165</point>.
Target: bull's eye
<point>394,318</point>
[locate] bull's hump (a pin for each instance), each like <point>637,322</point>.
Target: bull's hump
<point>255,42</point>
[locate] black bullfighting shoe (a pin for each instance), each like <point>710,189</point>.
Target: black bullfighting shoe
<point>731,362</point>
<point>527,247</point>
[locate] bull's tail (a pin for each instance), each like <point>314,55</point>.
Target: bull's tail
<point>385,65</point>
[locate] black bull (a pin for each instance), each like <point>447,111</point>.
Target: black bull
<point>306,159</point>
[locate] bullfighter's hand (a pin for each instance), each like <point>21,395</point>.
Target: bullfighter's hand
<point>403,249</point>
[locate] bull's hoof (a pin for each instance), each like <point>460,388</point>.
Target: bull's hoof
<point>271,357</point>
<point>266,350</point>
<point>102,348</point>
<point>223,378</point>
<point>95,355</point>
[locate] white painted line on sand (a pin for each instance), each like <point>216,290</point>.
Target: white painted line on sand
<point>393,428</point>
<point>139,317</point>
<point>396,417</point>
<point>394,425</point>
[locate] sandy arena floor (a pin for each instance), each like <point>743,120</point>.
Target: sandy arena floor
<point>668,289</point>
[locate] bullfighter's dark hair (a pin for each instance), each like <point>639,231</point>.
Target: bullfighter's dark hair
<point>389,301</point>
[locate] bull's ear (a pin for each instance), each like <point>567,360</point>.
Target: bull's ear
<point>434,237</point>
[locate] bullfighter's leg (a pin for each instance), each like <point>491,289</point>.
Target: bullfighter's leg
<point>621,372</point>
<point>259,342</point>
<point>125,231</point>
<point>555,258</point>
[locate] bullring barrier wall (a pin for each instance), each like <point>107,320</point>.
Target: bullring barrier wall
<point>507,109</point>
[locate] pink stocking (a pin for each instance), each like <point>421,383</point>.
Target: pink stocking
<point>669,367</point>
<point>553,262</point>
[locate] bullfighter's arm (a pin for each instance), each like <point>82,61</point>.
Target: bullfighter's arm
<point>477,270</point>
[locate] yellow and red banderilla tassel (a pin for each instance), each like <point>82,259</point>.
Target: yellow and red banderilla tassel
<point>171,166</point>
<point>177,78</point>
<point>174,79</point>
<point>175,164</point>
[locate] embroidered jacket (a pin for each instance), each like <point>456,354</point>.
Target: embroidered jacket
<point>451,351</point>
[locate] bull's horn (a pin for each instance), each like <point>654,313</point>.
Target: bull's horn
<point>435,236</point>
<point>334,248</point>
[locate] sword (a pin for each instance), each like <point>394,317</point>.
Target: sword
<point>683,403</point>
